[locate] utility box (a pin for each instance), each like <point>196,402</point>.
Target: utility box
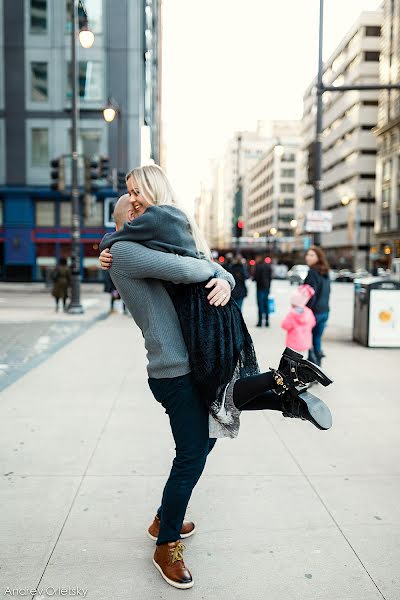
<point>377,313</point>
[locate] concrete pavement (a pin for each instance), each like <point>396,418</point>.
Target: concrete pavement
<point>285,511</point>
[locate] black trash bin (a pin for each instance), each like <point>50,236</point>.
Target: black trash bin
<point>377,313</point>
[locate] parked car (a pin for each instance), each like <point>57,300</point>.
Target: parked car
<point>361,274</point>
<point>344,275</point>
<point>279,271</point>
<point>333,274</point>
<point>297,274</point>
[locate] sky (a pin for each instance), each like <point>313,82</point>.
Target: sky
<point>229,63</point>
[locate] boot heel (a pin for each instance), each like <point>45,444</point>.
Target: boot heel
<point>319,412</point>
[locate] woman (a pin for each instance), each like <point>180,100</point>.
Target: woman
<point>318,279</point>
<point>61,277</point>
<point>150,216</point>
<point>239,273</point>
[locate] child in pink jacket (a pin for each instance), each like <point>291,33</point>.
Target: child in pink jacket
<point>300,320</point>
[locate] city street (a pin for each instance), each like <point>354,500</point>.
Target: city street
<point>283,512</point>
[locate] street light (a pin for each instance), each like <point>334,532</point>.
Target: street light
<point>110,112</point>
<point>273,231</point>
<point>75,306</point>
<point>86,37</point>
<point>293,223</point>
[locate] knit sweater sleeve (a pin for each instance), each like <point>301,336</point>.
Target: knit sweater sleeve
<point>142,229</point>
<point>139,262</point>
<point>222,273</point>
<point>312,280</point>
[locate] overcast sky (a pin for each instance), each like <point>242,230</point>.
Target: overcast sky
<point>229,63</point>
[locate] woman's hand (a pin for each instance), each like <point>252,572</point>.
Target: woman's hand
<point>105,259</point>
<point>221,292</point>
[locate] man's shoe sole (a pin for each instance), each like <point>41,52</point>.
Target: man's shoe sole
<point>319,412</point>
<point>183,535</point>
<point>319,373</point>
<point>181,586</point>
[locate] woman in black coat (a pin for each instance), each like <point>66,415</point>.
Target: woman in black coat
<point>239,273</point>
<point>318,279</point>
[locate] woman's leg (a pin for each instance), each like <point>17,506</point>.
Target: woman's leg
<point>248,388</point>
<point>318,330</point>
<point>265,401</point>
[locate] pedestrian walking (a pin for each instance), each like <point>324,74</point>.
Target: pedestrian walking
<point>109,288</point>
<point>61,277</point>
<point>300,320</point>
<point>155,244</point>
<point>263,277</point>
<point>239,273</point>
<point>318,279</point>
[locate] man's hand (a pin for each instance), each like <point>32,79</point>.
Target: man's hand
<point>105,259</point>
<point>221,292</point>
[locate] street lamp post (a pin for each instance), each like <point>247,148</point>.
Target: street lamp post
<point>321,89</point>
<point>112,111</point>
<point>75,306</point>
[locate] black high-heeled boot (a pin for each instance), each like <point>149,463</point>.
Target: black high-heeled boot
<point>301,371</point>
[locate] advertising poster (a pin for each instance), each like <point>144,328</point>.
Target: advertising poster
<point>384,318</point>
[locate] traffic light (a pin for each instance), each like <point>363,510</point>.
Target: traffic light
<point>239,227</point>
<point>104,167</point>
<point>121,181</point>
<point>58,174</point>
<point>91,175</point>
<point>311,164</point>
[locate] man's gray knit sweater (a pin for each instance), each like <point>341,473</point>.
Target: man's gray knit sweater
<point>136,272</point>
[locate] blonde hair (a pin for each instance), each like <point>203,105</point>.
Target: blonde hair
<point>155,187</point>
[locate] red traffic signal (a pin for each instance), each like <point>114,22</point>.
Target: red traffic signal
<point>240,224</point>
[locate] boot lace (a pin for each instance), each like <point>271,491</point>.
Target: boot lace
<point>177,552</point>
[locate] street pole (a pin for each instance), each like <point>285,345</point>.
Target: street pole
<point>367,256</point>
<point>75,306</point>
<point>318,132</point>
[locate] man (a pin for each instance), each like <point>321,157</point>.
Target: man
<point>262,276</point>
<point>136,271</point>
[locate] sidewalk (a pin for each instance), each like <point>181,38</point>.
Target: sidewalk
<point>31,330</point>
<point>285,512</point>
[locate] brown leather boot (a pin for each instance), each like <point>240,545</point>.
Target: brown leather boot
<point>188,529</point>
<point>168,559</point>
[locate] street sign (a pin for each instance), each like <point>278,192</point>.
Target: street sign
<point>109,204</point>
<point>318,221</point>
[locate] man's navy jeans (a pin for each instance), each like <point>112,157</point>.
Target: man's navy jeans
<point>188,417</point>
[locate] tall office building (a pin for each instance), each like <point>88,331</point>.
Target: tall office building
<point>271,190</point>
<point>387,222</point>
<point>35,120</point>
<point>349,146</point>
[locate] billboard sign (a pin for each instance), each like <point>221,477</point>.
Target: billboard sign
<point>319,221</point>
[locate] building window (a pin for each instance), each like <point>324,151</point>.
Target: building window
<point>40,147</point>
<point>372,31</point>
<point>94,9</point>
<point>38,16</point>
<point>39,87</point>
<point>289,157</point>
<point>386,198</point>
<point>387,170</point>
<point>370,56</point>
<point>95,217</point>
<point>45,213</point>
<point>287,172</point>
<point>287,187</point>
<point>90,140</point>
<point>65,214</point>
<point>91,77</point>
